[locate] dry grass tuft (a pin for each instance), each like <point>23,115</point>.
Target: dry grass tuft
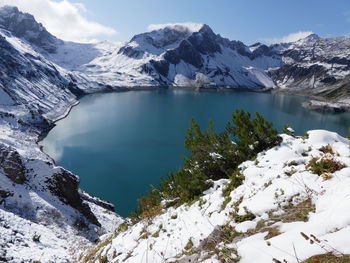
<point>324,166</point>
<point>299,212</point>
<point>328,258</point>
<point>327,149</point>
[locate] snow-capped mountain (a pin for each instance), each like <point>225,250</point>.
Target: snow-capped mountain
<point>41,205</point>
<point>316,66</point>
<point>190,55</point>
<point>24,26</point>
<point>183,55</point>
<point>42,208</point>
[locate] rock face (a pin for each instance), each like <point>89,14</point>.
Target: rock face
<point>65,186</point>
<point>12,166</point>
<point>316,66</point>
<point>24,26</point>
<point>26,76</point>
<point>175,54</point>
<point>43,213</point>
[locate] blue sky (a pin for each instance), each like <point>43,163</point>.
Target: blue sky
<point>249,21</point>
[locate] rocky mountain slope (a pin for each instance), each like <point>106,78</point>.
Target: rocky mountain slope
<point>192,55</point>
<point>44,216</point>
<point>187,55</point>
<point>316,66</point>
<point>179,55</point>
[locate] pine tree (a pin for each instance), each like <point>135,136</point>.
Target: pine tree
<point>212,156</point>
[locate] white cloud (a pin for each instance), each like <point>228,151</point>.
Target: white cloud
<point>289,38</point>
<point>194,27</point>
<point>63,19</point>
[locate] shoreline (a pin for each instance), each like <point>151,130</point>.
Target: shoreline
<point>66,113</point>
<point>314,103</point>
<point>60,117</point>
<point>317,103</point>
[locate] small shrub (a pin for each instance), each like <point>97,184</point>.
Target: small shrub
<point>144,235</point>
<point>122,227</point>
<point>229,233</point>
<point>273,231</point>
<point>156,234</point>
<point>294,213</point>
<point>268,184</point>
<point>202,202</point>
<point>213,156</point>
<point>304,153</point>
<point>288,130</point>
<point>226,201</point>
<point>327,149</point>
<point>328,258</point>
<point>174,216</point>
<point>325,165</point>
<point>189,244</point>
<point>290,172</point>
<point>292,163</point>
<point>241,218</point>
<point>306,135</point>
<point>236,180</point>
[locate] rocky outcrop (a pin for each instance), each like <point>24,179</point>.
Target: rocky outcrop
<point>65,186</point>
<point>313,62</point>
<point>42,210</point>
<point>326,106</point>
<point>12,166</point>
<point>24,26</point>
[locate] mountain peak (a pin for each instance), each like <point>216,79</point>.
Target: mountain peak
<point>313,36</point>
<point>8,10</point>
<point>180,27</point>
<point>163,36</point>
<point>24,25</point>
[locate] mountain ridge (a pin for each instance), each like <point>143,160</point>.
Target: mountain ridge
<point>176,54</point>
<point>41,77</point>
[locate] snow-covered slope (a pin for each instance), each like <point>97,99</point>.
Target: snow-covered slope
<point>188,54</point>
<point>24,26</point>
<point>278,209</point>
<point>316,66</point>
<point>43,214</point>
<point>176,54</point>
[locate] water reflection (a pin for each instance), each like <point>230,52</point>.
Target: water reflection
<point>120,143</point>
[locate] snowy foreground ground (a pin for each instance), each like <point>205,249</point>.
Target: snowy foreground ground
<point>297,213</point>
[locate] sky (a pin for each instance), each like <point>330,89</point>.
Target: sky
<point>268,21</point>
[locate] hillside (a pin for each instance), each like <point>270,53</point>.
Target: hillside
<point>42,208</point>
<point>44,215</point>
<point>283,210</point>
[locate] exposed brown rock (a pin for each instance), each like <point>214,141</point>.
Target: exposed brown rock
<point>65,186</point>
<point>11,164</point>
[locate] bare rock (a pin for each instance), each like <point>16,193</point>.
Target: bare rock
<point>12,165</point>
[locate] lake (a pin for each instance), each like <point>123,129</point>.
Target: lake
<point>121,143</point>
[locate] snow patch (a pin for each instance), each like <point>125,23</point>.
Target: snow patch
<point>182,27</point>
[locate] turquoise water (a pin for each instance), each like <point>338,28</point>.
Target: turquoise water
<point>120,143</point>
